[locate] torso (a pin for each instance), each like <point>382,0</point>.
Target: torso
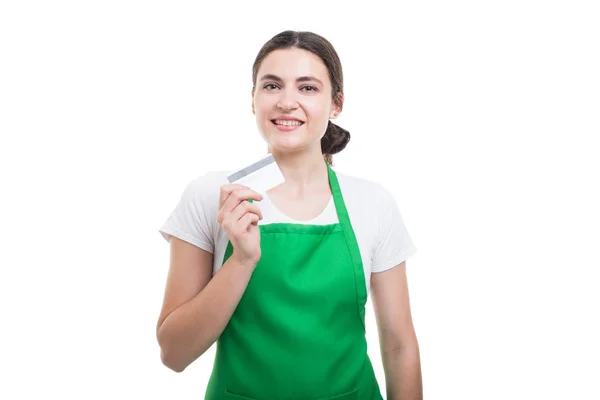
<point>309,276</point>
<point>367,202</point>
<point>300,208</point>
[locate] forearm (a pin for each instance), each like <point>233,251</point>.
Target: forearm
<point>403,373</point>
<point>192,328</point>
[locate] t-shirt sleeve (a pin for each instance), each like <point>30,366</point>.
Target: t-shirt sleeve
<point>393,244</point>
<point>193,219</point>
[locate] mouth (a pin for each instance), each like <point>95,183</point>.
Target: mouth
<point>287,123</point>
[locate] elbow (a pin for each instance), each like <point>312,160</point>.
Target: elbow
<point>175,353</point>
<point>398,345</point>
<point>168,356</point>
<point>171,362</point>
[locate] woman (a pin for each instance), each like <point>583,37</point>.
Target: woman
<point>280,282</point>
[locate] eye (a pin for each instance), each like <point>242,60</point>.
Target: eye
<point>269,85</point>
<point>312,88</point>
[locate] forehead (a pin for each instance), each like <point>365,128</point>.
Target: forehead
<point>290,64</point>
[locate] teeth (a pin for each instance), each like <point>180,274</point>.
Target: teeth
<point>287,123</point>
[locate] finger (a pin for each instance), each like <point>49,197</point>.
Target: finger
<point>239,195</point>
<point>223,216</point>
<point>243,208</point>
<point>226,190</point>
<point>246,221</point>
<point>229,219</point>
<point>233,218</point>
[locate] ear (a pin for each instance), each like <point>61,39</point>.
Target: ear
<point>335,109</point>
<point>253,112</point>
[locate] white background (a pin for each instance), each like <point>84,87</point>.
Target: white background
<point>481,117</point>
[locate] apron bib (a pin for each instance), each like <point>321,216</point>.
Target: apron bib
<point>298,332</point>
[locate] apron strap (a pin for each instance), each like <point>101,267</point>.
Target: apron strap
<point>351,242</point>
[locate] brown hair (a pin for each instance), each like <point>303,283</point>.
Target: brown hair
<point>335,138</point>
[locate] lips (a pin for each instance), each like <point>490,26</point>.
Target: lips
<point>287,122</point>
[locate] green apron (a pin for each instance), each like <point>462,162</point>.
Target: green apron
<point>298,332</point>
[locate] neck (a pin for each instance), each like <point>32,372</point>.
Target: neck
<point>304,172</point>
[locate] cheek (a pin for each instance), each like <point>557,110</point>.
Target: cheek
<point>262,113</point>
<point>317,114</point>
<point>261,102</point>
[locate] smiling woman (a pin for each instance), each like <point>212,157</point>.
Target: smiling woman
<point>312,68</point>
<point>280,281</point>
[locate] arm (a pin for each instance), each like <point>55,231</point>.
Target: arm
<point>398,341</point>
<point>196,308</point>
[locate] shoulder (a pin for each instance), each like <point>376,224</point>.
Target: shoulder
<point>192,219</point>
<point>210,179</point>
<point>204,189</point>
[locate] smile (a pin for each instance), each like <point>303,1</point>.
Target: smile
<point>286,122</point>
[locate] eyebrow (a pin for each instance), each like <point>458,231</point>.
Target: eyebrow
<point>300,79</point>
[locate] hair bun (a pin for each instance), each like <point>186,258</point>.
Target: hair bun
<point>335,139</point>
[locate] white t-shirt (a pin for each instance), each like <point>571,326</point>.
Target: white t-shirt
<point>380,231</point>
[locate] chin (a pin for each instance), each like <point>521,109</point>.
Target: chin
<point>285,139</point>
<point>290,147</point>
<point>287,142</point>
<point>286,147</point>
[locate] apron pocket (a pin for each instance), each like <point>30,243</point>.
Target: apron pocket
<point>353,395</point>
<point>231,396</point>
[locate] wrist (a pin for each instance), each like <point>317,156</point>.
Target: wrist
<point>243,262</point>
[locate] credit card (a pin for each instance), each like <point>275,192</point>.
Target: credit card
<point>259,176</point>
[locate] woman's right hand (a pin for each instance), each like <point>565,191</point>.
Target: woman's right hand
<point>239,218</point>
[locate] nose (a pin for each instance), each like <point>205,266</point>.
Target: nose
<point>287,101</point>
